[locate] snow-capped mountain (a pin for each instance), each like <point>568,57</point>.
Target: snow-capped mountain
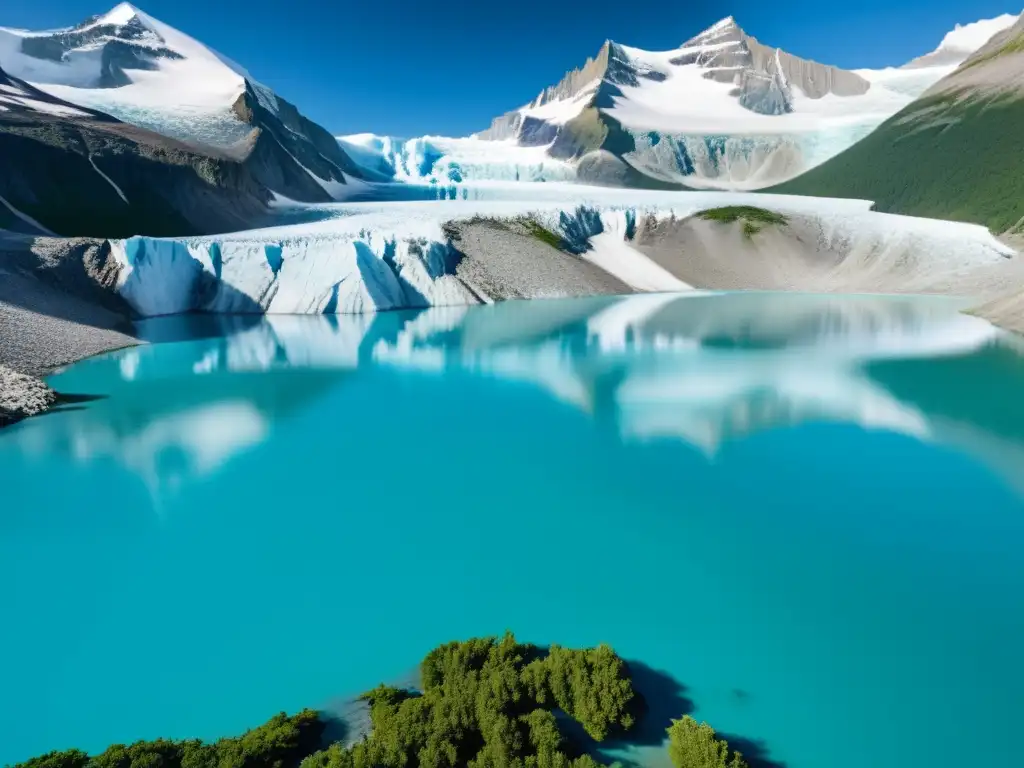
<point>722,111</point>
<point>146,73</point>
<point>78,171</point>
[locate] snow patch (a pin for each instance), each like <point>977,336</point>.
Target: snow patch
<point>106,178</point>
<point>25,218</point>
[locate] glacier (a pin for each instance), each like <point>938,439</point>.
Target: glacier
<point>364,257</point>
<point>452,168</point>
<point>445,161</point>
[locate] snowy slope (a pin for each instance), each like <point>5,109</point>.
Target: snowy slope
<point>175,85</point>
<point>964,40</point>
<point>146,73</point>
<point>681,100</point>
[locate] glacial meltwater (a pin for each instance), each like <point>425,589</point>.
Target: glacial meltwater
<point>801,516</point>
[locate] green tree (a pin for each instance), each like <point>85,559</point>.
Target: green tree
<point>592,686</point>
<point>72,758</point>
<point>695,745</point>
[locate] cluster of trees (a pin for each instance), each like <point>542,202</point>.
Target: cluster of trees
<point>489,703</point>
<point>485,703</point>
<point>282,742</point>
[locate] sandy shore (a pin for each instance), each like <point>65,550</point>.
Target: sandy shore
<point>1005,308</point>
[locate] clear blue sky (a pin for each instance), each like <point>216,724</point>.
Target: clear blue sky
<point>410,67</point>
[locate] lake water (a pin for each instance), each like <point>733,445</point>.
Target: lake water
<point>806,511</point>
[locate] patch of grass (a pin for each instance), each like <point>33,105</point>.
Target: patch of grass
<point>945,157</point>
<point>543,234</point>
<point>733,213</point>
<point>754,219</point>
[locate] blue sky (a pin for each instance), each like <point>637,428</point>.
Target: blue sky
<point>409,67</point>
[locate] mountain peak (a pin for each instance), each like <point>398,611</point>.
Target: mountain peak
<point>722,31</point>
<point>721,28</point>
<point>724,23</point>
<point>118,16</point>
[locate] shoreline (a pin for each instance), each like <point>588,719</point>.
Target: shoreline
<point>60,304</point>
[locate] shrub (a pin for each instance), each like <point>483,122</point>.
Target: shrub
<point>730,214</point>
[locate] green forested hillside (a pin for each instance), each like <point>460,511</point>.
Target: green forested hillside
<point>943,157</point>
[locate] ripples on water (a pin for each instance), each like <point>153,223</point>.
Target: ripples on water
<point>815,501</point>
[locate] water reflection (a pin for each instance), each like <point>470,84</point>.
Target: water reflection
<point>704,369</point>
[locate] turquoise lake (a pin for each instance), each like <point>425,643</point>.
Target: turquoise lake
<point>805,512</point>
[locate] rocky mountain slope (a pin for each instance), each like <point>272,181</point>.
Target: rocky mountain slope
<point>147,74</point>
<point>955,153</point>
<point>77,171</point>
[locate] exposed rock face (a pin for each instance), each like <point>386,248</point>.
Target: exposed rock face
<point>76,171</point>
<point>511,124</point>
<point>290,149</point>
<point>814,79</point>
<point>764,75</point>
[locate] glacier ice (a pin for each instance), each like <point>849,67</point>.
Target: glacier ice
<point>377,256</point>
<point>445,162</point>
<point>736,161</point>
